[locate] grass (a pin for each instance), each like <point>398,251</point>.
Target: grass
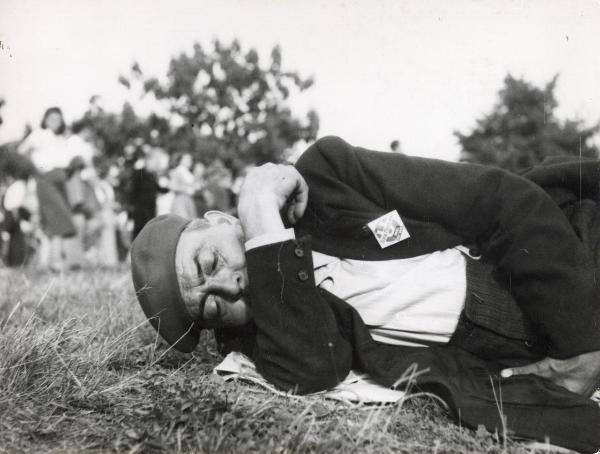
<point>81,370</point>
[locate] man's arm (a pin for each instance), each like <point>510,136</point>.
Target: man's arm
<point>299,346</point>
<point>518,227</point>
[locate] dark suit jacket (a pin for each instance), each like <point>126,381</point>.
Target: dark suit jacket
<point>307,339</point>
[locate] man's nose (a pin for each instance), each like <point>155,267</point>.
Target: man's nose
<point>242,279</point>
<point>229,282</point>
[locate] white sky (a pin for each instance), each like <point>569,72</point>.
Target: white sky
<point>412,70</point>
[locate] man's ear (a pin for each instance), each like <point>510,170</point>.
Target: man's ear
<point>215,217</point>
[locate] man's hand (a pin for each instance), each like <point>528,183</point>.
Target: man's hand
<point>580,374</point>
<point>266,191</point>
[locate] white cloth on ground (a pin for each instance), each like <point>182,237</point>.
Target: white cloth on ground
<point>356,388</point>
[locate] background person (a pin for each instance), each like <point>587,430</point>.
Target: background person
<point>20,206</point>
<point>105,244</point>
<point>183,185</point>
<point>217,190</point>
<point>144,192</point>
<point>47,149</point>
<point>85,207</point>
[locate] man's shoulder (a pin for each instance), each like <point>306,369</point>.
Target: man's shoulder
<point>332,154</point>
<point>332,143</point>
<point>323,148</point>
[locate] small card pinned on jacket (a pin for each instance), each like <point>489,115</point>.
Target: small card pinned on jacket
<point>389,229</point>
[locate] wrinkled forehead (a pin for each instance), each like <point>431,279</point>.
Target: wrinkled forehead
<point>200,233</point>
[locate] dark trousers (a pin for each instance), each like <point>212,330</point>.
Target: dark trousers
<point>141,216</point>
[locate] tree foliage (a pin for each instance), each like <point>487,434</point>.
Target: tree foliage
<point>216,103</point>
<point>522,130</point>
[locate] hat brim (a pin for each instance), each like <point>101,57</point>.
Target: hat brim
<point>155,282</point>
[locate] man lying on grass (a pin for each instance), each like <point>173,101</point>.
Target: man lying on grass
<point>470,273</point>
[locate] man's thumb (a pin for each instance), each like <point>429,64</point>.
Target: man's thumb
<point>529,369</point>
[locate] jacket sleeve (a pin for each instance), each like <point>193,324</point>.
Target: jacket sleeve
<point>299,346</point>
<point>515,223</point>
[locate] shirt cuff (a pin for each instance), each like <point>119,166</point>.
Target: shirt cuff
<point>270,238</point>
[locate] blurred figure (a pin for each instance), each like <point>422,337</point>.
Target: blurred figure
<point>123,198</point>
<point>81,142</point>
<point>85,206</point>
<point>198,197</point>
<point>183,185</point>
<point>395,146</point>
<point>105,248</point>
<point>217,192</point>
<point>144,191</point>
<point>157,161</point>
<point>81,192</point>
<point>20,209</point>
<point>47,149</point>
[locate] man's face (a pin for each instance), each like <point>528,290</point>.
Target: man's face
<point>211,272</point>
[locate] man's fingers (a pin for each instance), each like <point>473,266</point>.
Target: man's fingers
<point>291,214</point>
<point>579,374</point>
<point>538,368</point>
<point>299,199</point>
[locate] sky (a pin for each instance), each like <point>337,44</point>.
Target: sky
<point>400,69</point>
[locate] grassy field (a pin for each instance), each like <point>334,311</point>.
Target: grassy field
<point>81,370</point>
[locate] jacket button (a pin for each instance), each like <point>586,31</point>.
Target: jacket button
<point>299,252</point>
<point>302,275</point>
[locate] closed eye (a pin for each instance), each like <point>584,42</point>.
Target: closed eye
<point>210,265</point>
<point>199,271</point>
<point>215,261</point>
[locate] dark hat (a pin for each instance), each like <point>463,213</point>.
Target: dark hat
<point>155,281</point>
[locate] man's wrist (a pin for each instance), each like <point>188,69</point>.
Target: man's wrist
<point>259,215</point>
<point>270,238</point>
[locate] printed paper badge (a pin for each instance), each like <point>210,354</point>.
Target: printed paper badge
<point>389,229</point>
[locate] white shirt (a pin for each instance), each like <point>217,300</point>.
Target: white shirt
<point>21,193</point>
<point>46,150</point>
<point>182,180</point>
<point>76,146</point>
<point>402,301</point>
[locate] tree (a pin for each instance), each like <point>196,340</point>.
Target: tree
<point>522,129</point>
<point>218,103</point>
<point>117,132</point>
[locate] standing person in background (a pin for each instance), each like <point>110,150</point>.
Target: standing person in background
<point>81,191</point>
<point>106,243</point>
<point>199,197</point>
<point>183,185</point>
<point>47,149</point>
<point>144,191</point>
<point>20,210</point>
<point>218,192</point>
<point>123,202</point>
<point>85,207</point>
